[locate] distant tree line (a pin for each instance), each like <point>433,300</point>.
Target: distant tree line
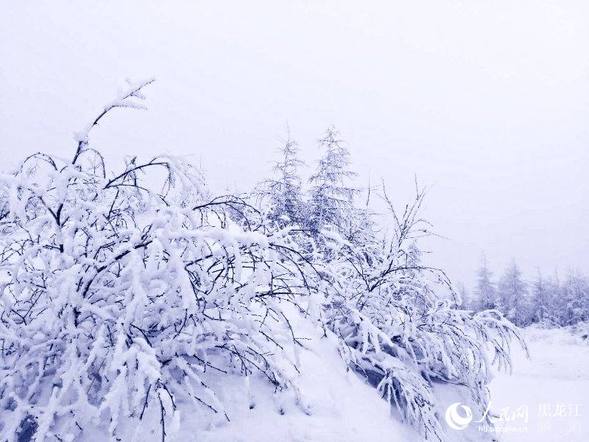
<point>548,300</point>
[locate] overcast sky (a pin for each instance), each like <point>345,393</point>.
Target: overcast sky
<point>487,102</point>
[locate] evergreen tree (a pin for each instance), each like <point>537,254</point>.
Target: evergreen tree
<point>486,295</point>
<point>542,300</point>
<point>332,194</point>
<point>513,299</point>
<point>286,206</point>
<point>575,304</point>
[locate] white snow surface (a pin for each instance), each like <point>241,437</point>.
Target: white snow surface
<point>553,384</point>
<point>344,408</point>
<point>337,405</point>
<point>341,406</point>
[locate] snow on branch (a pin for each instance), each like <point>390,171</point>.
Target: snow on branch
<point>131,97</point>
<point>398,322</point>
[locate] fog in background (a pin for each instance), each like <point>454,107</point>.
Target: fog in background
<point>487,103</point>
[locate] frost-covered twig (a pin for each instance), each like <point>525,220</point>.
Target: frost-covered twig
<point>131,97</point>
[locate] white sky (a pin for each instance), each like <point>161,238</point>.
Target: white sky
<point>487,102</point>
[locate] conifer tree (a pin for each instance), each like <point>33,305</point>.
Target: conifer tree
<point>542,300</point>
<point>513,298</point>
<point>286,206</point>
<point>332,194</point>
<point>574,299</point>
<point>485,291</point>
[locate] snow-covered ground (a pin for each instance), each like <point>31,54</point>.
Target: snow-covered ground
<point>552,386</point>
<point>335,405</point>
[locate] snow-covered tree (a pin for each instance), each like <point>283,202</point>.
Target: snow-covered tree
<point>513,295</point>
<point>574,299</point>
<point>485,290</point>
<point>332,193</point>
<point>284,190</point>
<point>542,300</point>
<point>119,295</point>
<point>399,330</point>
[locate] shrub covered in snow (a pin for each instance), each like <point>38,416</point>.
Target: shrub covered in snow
<point>399,331</point>
<point>119,290</point>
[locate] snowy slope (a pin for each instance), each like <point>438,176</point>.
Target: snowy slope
<point>336,405</point>
<point>341,407</point>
